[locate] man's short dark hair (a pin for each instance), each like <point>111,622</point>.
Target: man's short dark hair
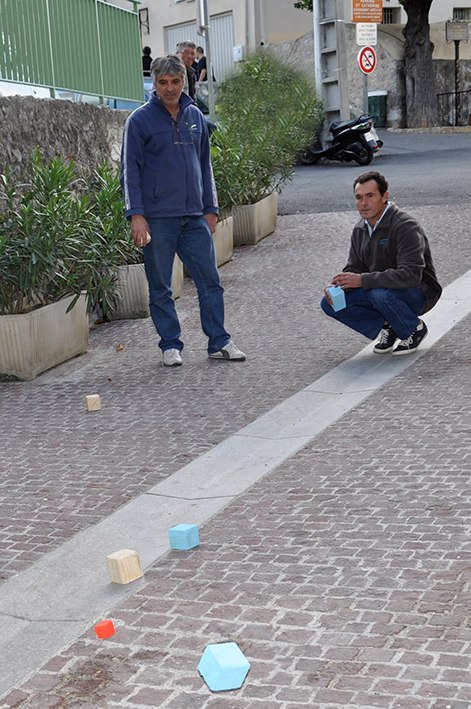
<point>380,180</point>
<point>200,50</point>
<point>146,51</point>
<point>170,64</point>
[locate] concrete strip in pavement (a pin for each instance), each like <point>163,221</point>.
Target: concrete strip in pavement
<point>46,607</point>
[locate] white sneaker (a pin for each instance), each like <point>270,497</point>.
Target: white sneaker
<point>172,358</point>
<point>229,351</point>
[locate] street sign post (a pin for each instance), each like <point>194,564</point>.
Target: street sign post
<point>367,59</point>
<point>367,62</point>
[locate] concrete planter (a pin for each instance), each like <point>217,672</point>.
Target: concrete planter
<point>253,222</point>
<point>33,342</point>
<point>224,240</point>
<point>133,291</point>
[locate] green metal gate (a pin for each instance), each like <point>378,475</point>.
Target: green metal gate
<point>83,46</point>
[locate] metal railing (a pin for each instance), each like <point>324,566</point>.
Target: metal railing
<point>82,46</point>
<point>454,108</point>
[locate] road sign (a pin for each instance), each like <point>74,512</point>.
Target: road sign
<point>367,11</point>
<point>367,34</point>
<point>367,59</point>
<point>456,31</point>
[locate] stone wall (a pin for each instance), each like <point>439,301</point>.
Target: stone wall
<point>89,134</point>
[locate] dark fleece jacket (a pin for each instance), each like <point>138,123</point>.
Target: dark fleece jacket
<point>397,255</point>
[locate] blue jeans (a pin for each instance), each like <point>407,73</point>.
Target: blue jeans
<point>191,239</point>
<point>368,310</point>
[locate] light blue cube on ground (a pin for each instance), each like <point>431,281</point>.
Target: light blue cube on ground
<point>184,536</point>
<point>338,298</point>
<point>223,666</point>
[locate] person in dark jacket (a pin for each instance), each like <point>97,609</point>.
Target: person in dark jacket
<point>170,198</point>
<point>146,60</point>
<point>186,50</point>
<point>390,279</point>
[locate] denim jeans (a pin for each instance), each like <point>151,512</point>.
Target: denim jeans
<point>368,310</point>
<point>191,239</point>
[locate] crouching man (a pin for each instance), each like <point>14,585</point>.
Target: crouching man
<point>389,280</point>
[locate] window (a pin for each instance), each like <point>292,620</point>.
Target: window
<point>144,20</point>
<point>391,15</point>
<point>462,13</point>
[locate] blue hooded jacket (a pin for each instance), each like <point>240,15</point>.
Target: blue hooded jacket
<point>166,164</point>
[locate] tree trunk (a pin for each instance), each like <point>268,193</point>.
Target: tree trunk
<point>421,97</point>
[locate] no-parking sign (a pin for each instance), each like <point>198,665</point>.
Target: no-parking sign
<point>367,59</point>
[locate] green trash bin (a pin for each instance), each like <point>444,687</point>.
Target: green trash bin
<point>378,107</point>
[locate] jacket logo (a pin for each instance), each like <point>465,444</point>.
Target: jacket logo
<point>383,241</point>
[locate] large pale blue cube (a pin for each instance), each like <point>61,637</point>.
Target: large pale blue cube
<point>338,298</point>
<point>184,536</point>
<point>223,666</point>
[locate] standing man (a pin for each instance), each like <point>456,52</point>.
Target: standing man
<point>186,50</point>
<point>201,73</point>
<point>389,279</point>
<point>170,195</point>
<point>146,60</point>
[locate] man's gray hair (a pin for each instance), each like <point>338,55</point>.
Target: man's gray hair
<point>184,44</point>
<point>170,64</point>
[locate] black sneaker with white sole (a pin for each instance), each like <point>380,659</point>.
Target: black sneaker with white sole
<point>387,339</point>
<point>410,345</point>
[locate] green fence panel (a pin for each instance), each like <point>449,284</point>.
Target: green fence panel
<point>81,46</point>
<point>119,33</point>
<point>25,54</point>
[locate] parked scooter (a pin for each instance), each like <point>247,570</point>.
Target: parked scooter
<point>355,139</point>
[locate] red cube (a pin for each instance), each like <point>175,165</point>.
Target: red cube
<point>105,629</point>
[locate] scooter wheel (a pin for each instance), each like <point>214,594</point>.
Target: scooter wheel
<point>364,156</point>
<point>308,158</point>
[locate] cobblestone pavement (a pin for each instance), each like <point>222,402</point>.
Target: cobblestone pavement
<point>344,576</point>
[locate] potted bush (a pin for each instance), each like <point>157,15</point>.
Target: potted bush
<point>55,267</point>
<point>43,270</point>
<point>267,113</point>
<point>131,299</point>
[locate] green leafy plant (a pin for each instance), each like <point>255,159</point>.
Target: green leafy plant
<point>108,237</point>
<point>60,235</point>
<point>268,112</point>
<point>38,233</point>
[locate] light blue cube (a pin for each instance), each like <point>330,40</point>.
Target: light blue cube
<point>223,666</point>
<point>338,298</point>
<point>184,536</point>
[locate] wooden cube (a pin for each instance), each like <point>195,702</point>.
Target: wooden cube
<point>93,402</point>
<point>124,566</point>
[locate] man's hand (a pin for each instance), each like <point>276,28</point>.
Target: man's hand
<point>139,229</point>
<point>347,280</point>
<point>344,280</point>
<point>211,220</point>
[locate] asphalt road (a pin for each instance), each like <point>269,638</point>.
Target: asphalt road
<point>422,169</point>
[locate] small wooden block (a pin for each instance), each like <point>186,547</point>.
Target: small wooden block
<point>184,536</point>
<point>124,566</point>
<point>105,629</point>
<point>93,402</point>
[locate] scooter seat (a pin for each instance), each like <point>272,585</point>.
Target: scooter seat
<point>338,126</point>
